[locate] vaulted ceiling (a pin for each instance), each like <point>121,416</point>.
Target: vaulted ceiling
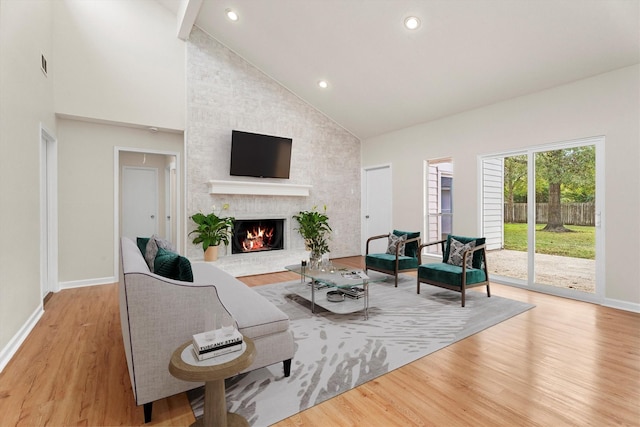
<point>383,77</point>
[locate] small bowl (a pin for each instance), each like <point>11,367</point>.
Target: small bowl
<point>335,296</point>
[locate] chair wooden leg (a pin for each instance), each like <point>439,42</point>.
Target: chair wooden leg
<point>488,291</point>
<point>462,293</point>
<point>396,280</point>
<point>418,286</point>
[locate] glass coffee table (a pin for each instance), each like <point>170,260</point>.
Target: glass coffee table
<point>337,288</point>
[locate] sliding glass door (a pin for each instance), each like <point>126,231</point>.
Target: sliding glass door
<point>541,216</point>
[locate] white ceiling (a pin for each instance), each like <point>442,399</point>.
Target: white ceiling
<point>466,54</point>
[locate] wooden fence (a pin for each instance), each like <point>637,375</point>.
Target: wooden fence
<point>572,213</point>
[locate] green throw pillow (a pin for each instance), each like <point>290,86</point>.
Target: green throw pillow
<point>172,266</point>
<point>142,244</point>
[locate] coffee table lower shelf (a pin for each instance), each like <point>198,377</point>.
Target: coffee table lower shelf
<point>349,305</point>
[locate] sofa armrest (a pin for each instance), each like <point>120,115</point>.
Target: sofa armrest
<point>161,315</point>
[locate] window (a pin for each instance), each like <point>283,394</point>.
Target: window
<point>438,201</point>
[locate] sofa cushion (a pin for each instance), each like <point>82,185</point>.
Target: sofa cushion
<point>450,274</point>
<point>255,315</point>
<point>172,266</point>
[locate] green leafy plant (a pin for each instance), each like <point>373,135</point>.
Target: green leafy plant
<point>314,229</point>
<point>212,229</point>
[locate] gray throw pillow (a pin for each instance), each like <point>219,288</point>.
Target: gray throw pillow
<point>457,250</point>
<point>394,241</point>
<point>151,250</point>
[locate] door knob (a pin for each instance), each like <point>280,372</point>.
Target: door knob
<point>153,216</point>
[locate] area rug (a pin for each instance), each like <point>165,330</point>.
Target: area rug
<point>337,352</point>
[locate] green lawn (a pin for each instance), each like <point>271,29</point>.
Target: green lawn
<point>579,244</point>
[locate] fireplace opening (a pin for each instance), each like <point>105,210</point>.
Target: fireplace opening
<point>257,235</point>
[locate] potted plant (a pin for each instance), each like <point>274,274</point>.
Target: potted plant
<point>315,230</point>
<point>212,230</point>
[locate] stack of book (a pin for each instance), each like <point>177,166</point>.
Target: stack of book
<point>355,275</point>
<point>216,343</point>
<point>354,292</point>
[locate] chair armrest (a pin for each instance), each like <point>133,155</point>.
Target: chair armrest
<point>472,251</point>
<point>415,239</point>
<point>374,238</point>
<point>424,245</point>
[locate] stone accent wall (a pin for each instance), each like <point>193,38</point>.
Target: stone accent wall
<point>224,92</point>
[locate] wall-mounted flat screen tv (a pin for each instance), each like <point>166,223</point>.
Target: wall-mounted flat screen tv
<point>263,156</point>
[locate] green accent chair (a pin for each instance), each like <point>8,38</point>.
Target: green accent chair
<point>395,263</point>
<point>453,277</point>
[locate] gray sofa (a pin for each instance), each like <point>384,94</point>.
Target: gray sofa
<point>159,314</point>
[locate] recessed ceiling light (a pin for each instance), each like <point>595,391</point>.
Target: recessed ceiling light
<point>412,23</point>
<point>323,84</point>
<point>232,15</point>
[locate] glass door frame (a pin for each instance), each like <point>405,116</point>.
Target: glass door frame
<point>600,284</point>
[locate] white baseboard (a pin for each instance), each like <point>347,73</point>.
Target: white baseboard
<point>7,353</point>
<point>622,305</point>
<point>14,344</point>
<point>88,282</point>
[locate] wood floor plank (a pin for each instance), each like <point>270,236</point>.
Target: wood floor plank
<point>564,362</point>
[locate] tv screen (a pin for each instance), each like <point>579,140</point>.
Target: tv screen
<point>258,155</point>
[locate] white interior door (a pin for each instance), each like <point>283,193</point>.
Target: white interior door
<point>48,213</point>
<point>139,202</point>
<point>377,207</point>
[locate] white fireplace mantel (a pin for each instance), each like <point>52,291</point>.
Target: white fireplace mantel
<point>258,188</point>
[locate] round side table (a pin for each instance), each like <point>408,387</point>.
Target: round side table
<point>185,366</point>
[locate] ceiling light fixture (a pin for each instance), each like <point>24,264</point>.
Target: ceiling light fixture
<point>412,23</point>
<point>232,15</point>
<point>323,84</point>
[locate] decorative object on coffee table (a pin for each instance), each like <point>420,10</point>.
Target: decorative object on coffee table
<point>212,230</point>
<point>184,365</point>
<point>315,230</point>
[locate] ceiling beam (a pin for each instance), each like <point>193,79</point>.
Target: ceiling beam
<point>187,14</point>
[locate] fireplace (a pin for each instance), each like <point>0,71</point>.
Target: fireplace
<point>257,235</point>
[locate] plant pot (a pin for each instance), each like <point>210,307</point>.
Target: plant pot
<point>211,254</point>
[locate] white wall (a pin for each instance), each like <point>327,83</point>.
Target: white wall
<point>26,100</point>
<point>603,105</point>
<point>120,65</point>
<point>119,60</point>
<point>86,194</point>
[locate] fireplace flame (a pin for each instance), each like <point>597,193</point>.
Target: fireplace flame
<point>257,238</point>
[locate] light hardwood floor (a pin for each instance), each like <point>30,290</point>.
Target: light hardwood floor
<point>562,363</point>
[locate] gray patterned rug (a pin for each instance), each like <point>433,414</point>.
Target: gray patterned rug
<point>337,352</point>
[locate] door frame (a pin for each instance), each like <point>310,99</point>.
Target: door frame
<point>48,212</point>
<point>599,142</point>
<point>116,198</point>
<point>364,201</point>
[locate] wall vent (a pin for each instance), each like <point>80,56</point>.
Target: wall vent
<point>43,64</point>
